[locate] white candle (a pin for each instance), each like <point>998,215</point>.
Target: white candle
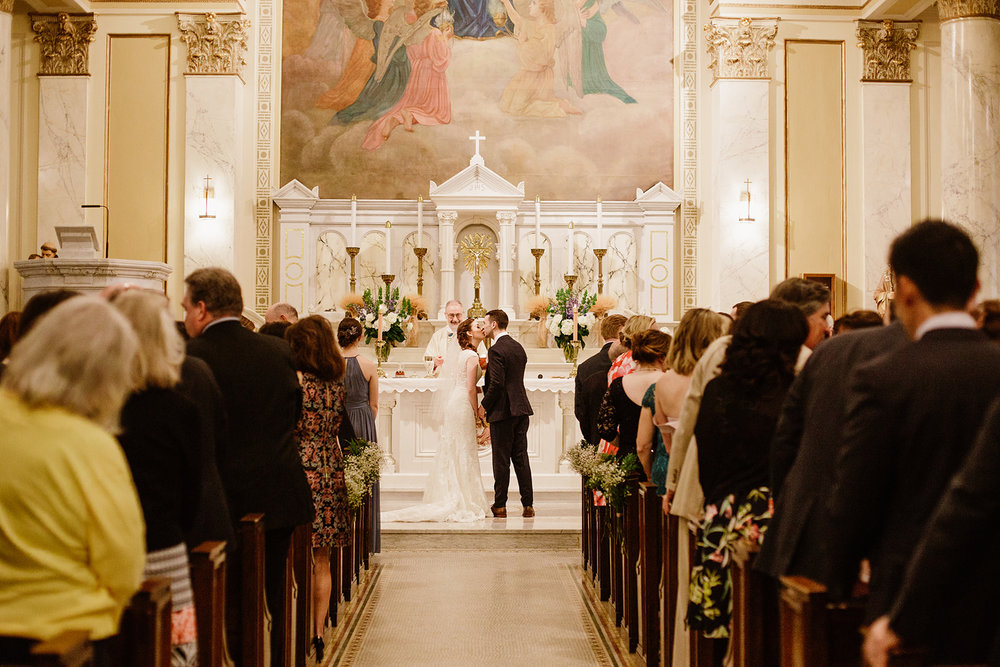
<point>569,271</point>
<point>388,246</point>
<point>354,220</point>
<point>600,225</point>
<point>420,221</point>
<point>538,222</point>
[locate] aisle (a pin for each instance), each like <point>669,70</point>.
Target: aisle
<point>476,608</point>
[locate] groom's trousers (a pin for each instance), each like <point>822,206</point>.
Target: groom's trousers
<point>509,438</point>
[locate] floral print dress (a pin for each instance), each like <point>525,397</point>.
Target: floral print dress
<point>323,459</point>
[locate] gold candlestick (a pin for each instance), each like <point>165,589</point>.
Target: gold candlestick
<point>420,252</point>
<point>600,253</point>
<point>570,280</point>
<point>379,344</point>
<point>537,253</point>
<point>387,278</point>
<point>576,354</point>
<point>353,251</point>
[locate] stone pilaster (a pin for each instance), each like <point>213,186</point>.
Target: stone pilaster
<point>6,6</point>
<point>64,41</point>
<point>446,251</point>
<point>506,252</point>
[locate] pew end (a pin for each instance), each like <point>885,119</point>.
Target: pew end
<point>68,649</point>
<point>208,581</point>
<point>145,625</point>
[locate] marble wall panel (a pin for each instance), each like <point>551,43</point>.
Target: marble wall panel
<point>431,263</point>
<point>62,155</point>
<point>620,272</point>
<point>5,140</point>
<point>584,262</point>
<point>333,271</point>
<point>370,263</point>
<point>526,269</point>
<point>970,138</point>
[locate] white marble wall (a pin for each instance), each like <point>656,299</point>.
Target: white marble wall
<point>408,284</point>
<point>620,279</point>
<point>212,147</point>
<point>740,127</point>
<point>885,146</point>
<point>333,271</point>
<point>5,237</point>
<point>526,269</point>
<point>370,264</point>
<point>62,156</point>
<point>970,137</point>
<point>584,262</point>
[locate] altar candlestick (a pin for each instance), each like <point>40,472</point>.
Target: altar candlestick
<point>354,220</point>
<point>538,222</point>
<point>420,221</point>
<point>575,330</point>
<point>388,246</point>
<point>600,225</point>
<point>569,259</point>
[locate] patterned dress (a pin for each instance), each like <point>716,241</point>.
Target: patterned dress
<point>323,460</point>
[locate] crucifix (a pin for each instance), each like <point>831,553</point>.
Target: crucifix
<point>477,139</point>
<point>477,249</point>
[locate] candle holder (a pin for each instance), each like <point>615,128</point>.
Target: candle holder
<point>576,355</point>
<point>387,278</point>
<point>353,251</point>
<point>600,253</point>
<point>537,254</point>
<point>379,345</point>
<point>570,279</point>
<point>420,252</point>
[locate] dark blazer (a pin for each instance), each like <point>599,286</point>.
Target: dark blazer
<point>261,471</point>
<point>586,400</point>
<point>912,416</point>
<point>804,451</point>
<point>504,396</point>
<point>958,553</point>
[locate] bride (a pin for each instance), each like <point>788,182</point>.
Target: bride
<point>454,490</point>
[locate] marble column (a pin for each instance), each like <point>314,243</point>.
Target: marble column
<point>446,251</point>
<point>970,131</point>
<point>506,252</point>
<point>386,429</point>
<point>885,141</point>
<point>6,7</point>
<point>740,206</point>
<point>214,124</point>
<point>567,404</point>
<point>63,82</point>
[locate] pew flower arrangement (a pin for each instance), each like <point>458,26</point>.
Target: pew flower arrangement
<point>560,316</point>
<point>362,468</point>
<point>604,472</point>
<point>395,315</point>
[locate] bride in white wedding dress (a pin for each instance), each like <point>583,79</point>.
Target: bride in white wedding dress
<point>454,490</point>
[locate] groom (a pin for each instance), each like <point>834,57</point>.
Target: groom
<point>505,406</point>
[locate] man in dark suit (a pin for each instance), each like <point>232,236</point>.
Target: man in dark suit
<point>505,406</point>
<point>261,469</point>
<point>588,395</point>
<point>911,419</point>
<point>804,451</point>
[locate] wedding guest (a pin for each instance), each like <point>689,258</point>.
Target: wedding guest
<point>739,310</point>
<point>623,363</point>
<point>8,333</point>
<point>987,315</point>
<point>39,305</point>
<point>73,560</point>
<point>276,329</point>
<point>160,437</point>
<point>912,417</point>
<point>589,394</point>
<point>317,358</point>
<point>281,312</point>
<point>622,404</point>
<point>858,319</point>
<point>361,387</point>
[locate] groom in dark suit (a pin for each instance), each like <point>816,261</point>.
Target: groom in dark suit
<point>505,406</point>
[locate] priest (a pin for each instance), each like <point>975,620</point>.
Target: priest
<point>434,355</point>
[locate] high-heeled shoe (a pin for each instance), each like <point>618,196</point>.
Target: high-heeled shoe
<point>318,647</point>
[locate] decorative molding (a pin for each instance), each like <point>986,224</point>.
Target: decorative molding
<point>216,43</point>
<point>960,9</point>
<point>886,46</point>
<point>7,6</point>
<point>265,167</point>
<point>64,42</point>
<point>739,47</point>
<point>689,154</point>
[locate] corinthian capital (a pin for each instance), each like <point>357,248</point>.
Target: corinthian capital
<point>887,47</point>
<point>739,47</point>
<point>216,43</point>
<point>6,6</point>
<point>64,41</point>
<point>506,217</point>
<point>960,9</point>
<point>447,217</point>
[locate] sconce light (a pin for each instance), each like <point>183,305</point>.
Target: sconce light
<point>208,193</point>
<point>746,195</point>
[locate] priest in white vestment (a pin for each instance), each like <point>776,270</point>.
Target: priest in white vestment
<point>434,354</point>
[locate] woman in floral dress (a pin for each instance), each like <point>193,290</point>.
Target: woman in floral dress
<point>323,419</point>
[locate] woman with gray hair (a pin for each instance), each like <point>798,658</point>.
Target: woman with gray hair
<point>71,539</point>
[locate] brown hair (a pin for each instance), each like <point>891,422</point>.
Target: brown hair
<point>219,289</point>
<point>500,318</point>
<point>650,346</point>
<point>463,335</point>
<point>695,332</point>
<point>348,331</point>
<point>633,326</point>
<point>612,326</point>
<point>315,349</point>
<point>8,332</point>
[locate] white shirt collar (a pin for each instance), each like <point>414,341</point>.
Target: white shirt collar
<point>498,335</point>
<point>953,319</point>
<point>217,321</point>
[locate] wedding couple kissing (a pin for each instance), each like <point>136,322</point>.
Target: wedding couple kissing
<point>454,490</point>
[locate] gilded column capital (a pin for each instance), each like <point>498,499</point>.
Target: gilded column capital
<point>216,43</point>
<point>64,41</point>
<point>886,46</point>
<point>961,9</point>
<point>7,6</point>
<point>739,47</point>
<point>447,217</point>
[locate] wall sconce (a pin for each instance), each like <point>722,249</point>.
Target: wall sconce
<point>746,195</point>
<point>208,193</point>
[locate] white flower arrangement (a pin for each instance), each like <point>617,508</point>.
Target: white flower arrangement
<point>362,468</point>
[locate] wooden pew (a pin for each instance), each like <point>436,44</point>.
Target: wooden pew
<point>302,568</point>
<point>618,565</point>
<point>630,562</point>
<point>366,529</point>
<point>703,650</point>
<point>605,543</point>
<point>668,585</point>
<point>585,510</point>
<point>68,649</point>
<point>145,627</point>
<point>592,534</point>
<point>290,601</point>
<point>208,582</point>
<point>650,568</point>
<point>255,620</point>
<point>752,616</point>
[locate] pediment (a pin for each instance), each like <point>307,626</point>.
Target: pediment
<point>657,198</point>
<point>477,187</point>
<point>295,194</point>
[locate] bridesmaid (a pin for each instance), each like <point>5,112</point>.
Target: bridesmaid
<point>361,385</point>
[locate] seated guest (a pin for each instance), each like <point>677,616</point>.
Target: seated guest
<point>622,404</point>
<point>987,315</point>
<point>276,329</point>
<point>587,402</point>
<point>281,312</point>
<point>858,319</point>
<point>8,333</point>
<point>739,411</point>
<point>71,529</point>
<point>160,437</point>
<point>39,305</point>
<point>623,363</point>
<point>739,310</point>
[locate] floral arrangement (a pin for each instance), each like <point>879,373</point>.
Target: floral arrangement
<point>351,302</point>
<point>603,305</point>
<point>560,318</point>
<point>395,315</point>
<point>604,472</point>
<point>362,467</point>
<point>538,306</point>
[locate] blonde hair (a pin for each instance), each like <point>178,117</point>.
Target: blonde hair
<point>695,332</point>
<point>78,357</point>
<point>634,325</point>
<point>161,348</point>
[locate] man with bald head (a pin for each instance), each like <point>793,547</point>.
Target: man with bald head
<point>434,355</point>
<point>281,312</point>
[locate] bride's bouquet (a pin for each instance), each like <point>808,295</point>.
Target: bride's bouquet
<point>395,313</point>
<point>559,320</point>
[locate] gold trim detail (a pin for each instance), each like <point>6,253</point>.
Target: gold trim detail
<point>689,155</point>
<point>64,42</point>
<point>7,6</point>
<point>739,48</point>
<point>960,9</point>
<point>264,118</point>
<point>886,46</point>
<point>216,43</point>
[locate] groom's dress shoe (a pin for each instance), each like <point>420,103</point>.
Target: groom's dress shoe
<point>528,512</point>
<point>499,512</point>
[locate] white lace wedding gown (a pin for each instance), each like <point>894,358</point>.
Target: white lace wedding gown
<point>454,490</point>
